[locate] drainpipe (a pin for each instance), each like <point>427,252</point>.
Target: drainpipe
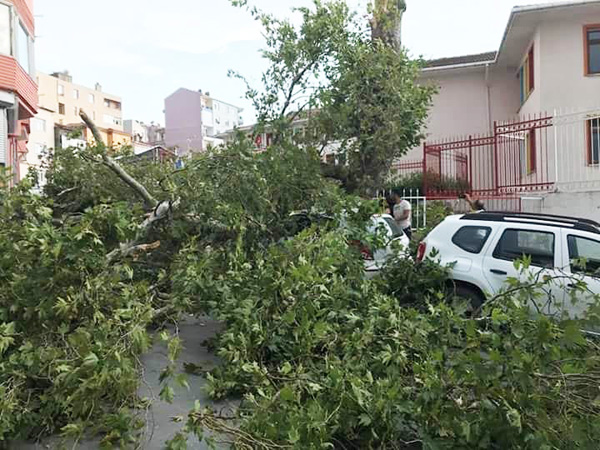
<point>488,96</point>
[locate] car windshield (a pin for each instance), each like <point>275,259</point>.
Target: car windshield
<point>396,230</point>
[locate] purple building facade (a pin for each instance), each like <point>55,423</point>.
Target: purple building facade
<point>183,121</point>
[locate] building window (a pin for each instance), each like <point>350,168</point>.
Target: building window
<point>75,110</point>
<point>5,40</point>
<point>527,76</point>
<point>93,115</point>
<point>39,124</point>
<point>593,140</point>
<point>592,49</point>
<point>529,153</point>
<point>61,109</point>
<point>23,48</point>
<point>75,94</point>
<point>91,98</point>
<point>61,90</point>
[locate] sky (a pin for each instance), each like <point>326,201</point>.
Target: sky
<point>144,50</point>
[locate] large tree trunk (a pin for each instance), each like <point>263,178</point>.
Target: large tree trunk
<point>386,24</point>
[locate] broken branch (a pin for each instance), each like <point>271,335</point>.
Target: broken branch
<point>109,162</point>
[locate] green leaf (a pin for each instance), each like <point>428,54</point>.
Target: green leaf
<point>294,436</point>
<point>287,394</point>
<point>90,360</point>
<point>167,394</point>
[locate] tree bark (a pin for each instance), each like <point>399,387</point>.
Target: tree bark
<point>386,24</point>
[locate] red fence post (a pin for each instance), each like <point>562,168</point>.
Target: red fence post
<point>495,162</point>
<point>471,163</point>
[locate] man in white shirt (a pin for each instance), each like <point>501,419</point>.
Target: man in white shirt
<point>402,213</point>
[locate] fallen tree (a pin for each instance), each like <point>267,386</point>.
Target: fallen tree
<point>321,357</point>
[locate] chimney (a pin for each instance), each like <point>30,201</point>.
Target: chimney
<point>98,87</point>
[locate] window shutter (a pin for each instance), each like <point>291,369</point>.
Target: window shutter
<point>531,70</point>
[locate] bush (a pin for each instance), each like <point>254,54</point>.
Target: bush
<point>434,183</point>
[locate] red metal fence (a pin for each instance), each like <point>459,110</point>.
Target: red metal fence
<point>405,168</point>
<point>512,160</point>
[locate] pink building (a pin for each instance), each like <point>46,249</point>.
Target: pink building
<point>193,119</point>
<point>546,44</point>
<point>523,120</point>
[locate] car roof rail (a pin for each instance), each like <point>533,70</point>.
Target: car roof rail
<point>536,218</point>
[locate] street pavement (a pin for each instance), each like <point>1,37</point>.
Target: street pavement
<point>159,426</point>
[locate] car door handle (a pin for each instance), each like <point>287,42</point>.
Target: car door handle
<point>498,272</point>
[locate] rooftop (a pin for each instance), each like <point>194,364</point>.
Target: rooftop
<point>521,19</point>
<point>486,57</point>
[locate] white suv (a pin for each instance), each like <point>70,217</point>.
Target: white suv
<point>383,225</point>
<point>481,249</point>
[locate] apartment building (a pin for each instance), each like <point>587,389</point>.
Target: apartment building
<point>18,90</point>
<point>58,93</point>
<point>60,101</point>
<point>194,119</point>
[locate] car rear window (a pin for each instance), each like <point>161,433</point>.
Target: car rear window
<point>396,230</point>
<point>471,238</point>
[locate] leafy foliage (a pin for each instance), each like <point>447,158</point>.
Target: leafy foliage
<point>321,356</point>
<point>325,358</point>
<point>74,319</point>
<point>71,325</point>
<point>346,87</point>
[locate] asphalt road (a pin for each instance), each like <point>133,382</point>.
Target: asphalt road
<point>159,426</point>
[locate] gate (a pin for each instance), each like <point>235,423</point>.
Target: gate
<point>521,159</point>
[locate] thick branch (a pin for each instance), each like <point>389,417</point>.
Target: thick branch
<point>293,84</point>
<point>149,200</point>
<point>161,212</point>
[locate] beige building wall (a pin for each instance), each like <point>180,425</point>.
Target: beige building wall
<point>468,102</point>
<point>66,99</point>
<point>60,101</point>
<point>564,83</point>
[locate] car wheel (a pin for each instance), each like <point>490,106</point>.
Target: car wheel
<point>472,295</point>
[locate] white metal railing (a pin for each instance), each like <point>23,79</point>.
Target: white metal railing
<point>576,149</point>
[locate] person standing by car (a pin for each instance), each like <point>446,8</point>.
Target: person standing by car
<point>389,203</point>
<point>475,204</point>
<point>402,213</point>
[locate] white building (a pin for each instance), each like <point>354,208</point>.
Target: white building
<point>151,133</point>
